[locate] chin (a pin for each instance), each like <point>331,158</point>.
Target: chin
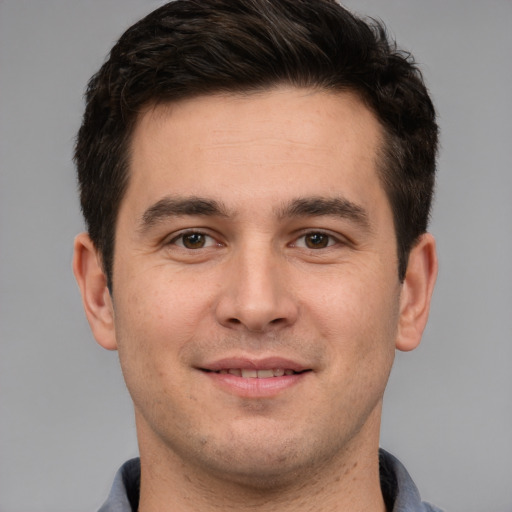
<point>266,462</point>
<point>258,476</point>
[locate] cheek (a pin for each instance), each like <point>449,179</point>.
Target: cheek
<point>357,304</point>
<point>163,304</point>
<point>360,327</point>
<point>358,318</point>
<point>155,318</point>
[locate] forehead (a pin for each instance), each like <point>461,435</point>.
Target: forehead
<point>266,145</point>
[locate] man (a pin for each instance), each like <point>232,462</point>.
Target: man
<point>256,179</point>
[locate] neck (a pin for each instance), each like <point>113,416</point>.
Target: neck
<point>350,481</point>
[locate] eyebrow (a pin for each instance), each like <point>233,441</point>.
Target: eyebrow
<point>180,206</point>
<point>301,207</point>
<point>320,206</point>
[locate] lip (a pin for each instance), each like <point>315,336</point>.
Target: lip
<point>254,387</point>
<point>267,363</point>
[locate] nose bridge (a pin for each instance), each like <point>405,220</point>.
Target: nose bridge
<point>256,296</point>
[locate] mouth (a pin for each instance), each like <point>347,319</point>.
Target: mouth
<point>251,373</point>
<point>255,378</point>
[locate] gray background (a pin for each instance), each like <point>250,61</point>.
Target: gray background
<point>65,417</point>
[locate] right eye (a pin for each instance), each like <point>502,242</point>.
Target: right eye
<point>193,240</point>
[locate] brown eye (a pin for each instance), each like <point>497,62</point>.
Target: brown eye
<point>316,240</point>
<point>193,240</point>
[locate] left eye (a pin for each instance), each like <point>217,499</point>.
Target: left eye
<point>315,240</point>
<point>193,240</point>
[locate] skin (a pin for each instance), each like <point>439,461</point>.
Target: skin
<point>257,275</point>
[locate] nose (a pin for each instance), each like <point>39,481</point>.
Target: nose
<point>256,294</point>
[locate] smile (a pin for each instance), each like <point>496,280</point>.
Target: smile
<point>255,378</point>
<point>251,373</point>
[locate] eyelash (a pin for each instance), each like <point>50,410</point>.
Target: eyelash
<point>183,235</point>
<point>331,240</point>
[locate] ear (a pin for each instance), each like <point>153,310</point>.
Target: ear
<point>91,279</point>
<point>416,292</point>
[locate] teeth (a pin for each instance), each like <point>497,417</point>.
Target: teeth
<point>257,374</point>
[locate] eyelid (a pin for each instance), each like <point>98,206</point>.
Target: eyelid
<point>336,238</point>
<point>175,237</point>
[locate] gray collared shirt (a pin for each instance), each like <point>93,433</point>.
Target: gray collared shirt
<point>400,493</point>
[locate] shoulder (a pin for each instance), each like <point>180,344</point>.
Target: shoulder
<point>400,492</point>
<point>124,494</point>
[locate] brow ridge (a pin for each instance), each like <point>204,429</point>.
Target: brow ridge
<point>301,207</point>
<point>321,206</point>
<point>180,206</point>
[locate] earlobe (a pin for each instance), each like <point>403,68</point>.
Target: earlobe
<point>96,298</point>
<point>416,293</point>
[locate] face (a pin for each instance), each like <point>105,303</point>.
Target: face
<point>256,300</point>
